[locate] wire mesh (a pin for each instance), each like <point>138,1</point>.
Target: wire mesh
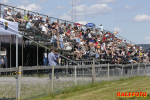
<point>63,80</point>
<point>7,87</point>
<point>35,84</point>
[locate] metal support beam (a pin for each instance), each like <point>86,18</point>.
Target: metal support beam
<point>10,53</point>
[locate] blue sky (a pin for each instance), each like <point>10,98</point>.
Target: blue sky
<point>131,18</point>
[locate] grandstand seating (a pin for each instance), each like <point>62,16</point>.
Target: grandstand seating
<point>106,46</point>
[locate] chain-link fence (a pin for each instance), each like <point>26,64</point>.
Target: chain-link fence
<point>35,82</point>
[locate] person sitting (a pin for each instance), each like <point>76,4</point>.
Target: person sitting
<point>34,17</point>
<point>9,17</point>
<point>5,13</point>
<point>26,17</point>
<point>29,25</point>
<point>19,18</point>
<point>93,52</point>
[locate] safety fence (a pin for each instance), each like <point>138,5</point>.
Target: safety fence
<point>55,79</point>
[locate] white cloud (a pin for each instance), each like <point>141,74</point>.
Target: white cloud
<point>50,14</point>
<point>141,18</point>
<point>106,1</point>
<point>25,2</point>
<point>95,10</point>
<point>147,38</point>
<point>4,1</point>
<point>82,22</point>
<point>31,7</point>
<point>117,29</point>
<point>128,7</point>
<point>65,17</point>
<point>84,10</point>
<point>61,7</point>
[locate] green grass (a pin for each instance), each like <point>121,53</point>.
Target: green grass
<point>104,90</point>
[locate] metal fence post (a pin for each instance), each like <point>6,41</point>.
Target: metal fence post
<point>138,69</point>
<point>145,70</point>
<point>22,54</point>
<point>93,72</point>
<point>52,79</point>
<point>108,73</point>
<point>19,83</point>
<point>122,72</point>
<point>75,75</point>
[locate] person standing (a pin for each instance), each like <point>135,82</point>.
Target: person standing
<point>102,29</point>
<point>52,62</point>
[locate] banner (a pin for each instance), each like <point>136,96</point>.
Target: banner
<point>8,27</point>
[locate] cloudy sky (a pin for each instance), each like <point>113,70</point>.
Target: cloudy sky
<point>131,18</point>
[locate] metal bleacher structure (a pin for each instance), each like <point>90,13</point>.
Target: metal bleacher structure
<point>44,40</point>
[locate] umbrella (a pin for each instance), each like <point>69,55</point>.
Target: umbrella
<point>40,21</point>
<point>77,24</point>
<point>90,25</point>
<point>115,32</point>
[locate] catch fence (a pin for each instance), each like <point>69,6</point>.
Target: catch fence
<point>56,79</point>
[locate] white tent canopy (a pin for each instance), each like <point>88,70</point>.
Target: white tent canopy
<point>10,28</point>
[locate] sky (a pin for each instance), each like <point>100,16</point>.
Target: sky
<point>131,18</point>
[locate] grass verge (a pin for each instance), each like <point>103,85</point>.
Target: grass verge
<point>104,90</point>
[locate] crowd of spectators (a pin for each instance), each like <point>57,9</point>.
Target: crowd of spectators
<point>89,42</point>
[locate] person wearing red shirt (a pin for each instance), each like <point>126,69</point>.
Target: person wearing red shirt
<point>104,38</point>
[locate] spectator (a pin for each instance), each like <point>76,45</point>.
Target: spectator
<point>29,25</point>
<point>34,18</point>
<point>19,17</point>
<point>52,58</point>
<point>47,20</point>
<point>56,56</point>
<point>26,17</point>
<point>93,51</point>
<point>52,61</point>
<point>9,15</point>
<point>5,13</point>
<point>44,28</point>
<point>37,18</point>
<point>41,18</point>
<point>101,27</point>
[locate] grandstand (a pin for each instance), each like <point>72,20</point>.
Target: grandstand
<point>72,41</point>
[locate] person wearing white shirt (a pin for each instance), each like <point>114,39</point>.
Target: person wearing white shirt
<point>10,15</point>
<point>44,30</point>
<point>101,27</point>
<point>34,18</point>
<point>89,35</point>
